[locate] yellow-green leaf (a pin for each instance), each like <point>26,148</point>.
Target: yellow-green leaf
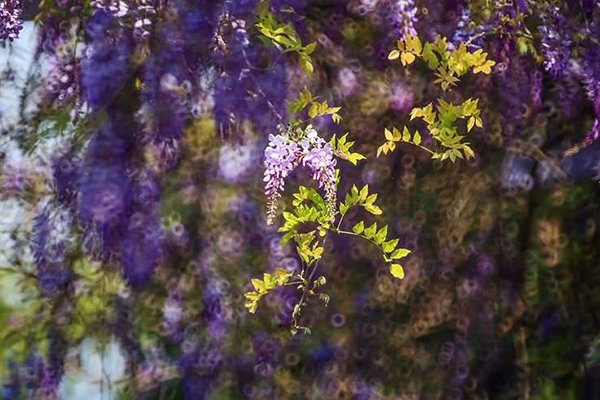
<point>371,199</point>
<point>397,271</point>
<point>388,134</point>
<point>417,138</point>
<point>375,210</point>
<point>394,54</point>
<point>370,231</point>
<point>405,135</point>
<point>258,285</point>
<point>470,124</point>
<point>359,228</point>
<point>407,58</point>
<point>399,253</point>
<point>390,245</point>
<point>364,192</point>
<point>317,252</point>
<point>381,235</point>
<point>486,67</point>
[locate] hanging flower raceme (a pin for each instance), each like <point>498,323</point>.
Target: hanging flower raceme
<point>406,12</point>
<point>591,71</point>
<point>50,243</point>
<point>10,19</point>
<point>285,152</point>
<point>62,84</point>
<point>319,158</point>
<point>555,42</point>
<point>281,158</point>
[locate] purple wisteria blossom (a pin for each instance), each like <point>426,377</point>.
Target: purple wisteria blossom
<point>466,34</point>
<point>406,12</point>
<point>319,158</point>
<point>62,84</point>
<point>281,158</point>
<point>591,72</point>
<point>140,12</point>
<point>284,154</point>
<point>10,19</point>
<point>555,42</point>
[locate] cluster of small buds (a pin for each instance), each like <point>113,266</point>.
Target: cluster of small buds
<point>239,25</point>
<point>460,34</point>
<point>284,153</point>
<point>142,14</point>
<point>140,11</point>
<point>555,42</point>
<point>116,8</point>
<point>63,81</point>
<point>463,34</point>
<point>10,19</point>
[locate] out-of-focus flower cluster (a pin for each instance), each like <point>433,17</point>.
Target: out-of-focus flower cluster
<point>555,41</point>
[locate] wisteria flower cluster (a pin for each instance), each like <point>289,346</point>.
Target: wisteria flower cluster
<point>140,12</point>
<point>406,12</point>
<point>10,19</point>
<point>555,41</point>
<point>289,149</point>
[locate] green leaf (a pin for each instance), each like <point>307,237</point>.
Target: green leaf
<point>397,271</point>
<point>399,253</point>
<point>429,56</point>
<point>371,199</point>
<point>381,235</point>
<point>269,281</point>
<point>317,252</point>
<point>407,58</point>
<point>470,124</point>
<point>413,43</point>
<point>394,54</point>
<point>375,210</point>
<point>343,208</point>
<point>363,193</point>
<point>281,276</point>
<point>369,233</point>
<point>388,134</point>
<point>417,138</point>
<point>359,228</point>
<point>389,246</point>
<point>405,135</point>
<point>313,110</point>
<point>259,286</point>
<point>309,48</point>
<point>306,64</point>
<point>355,157</point>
